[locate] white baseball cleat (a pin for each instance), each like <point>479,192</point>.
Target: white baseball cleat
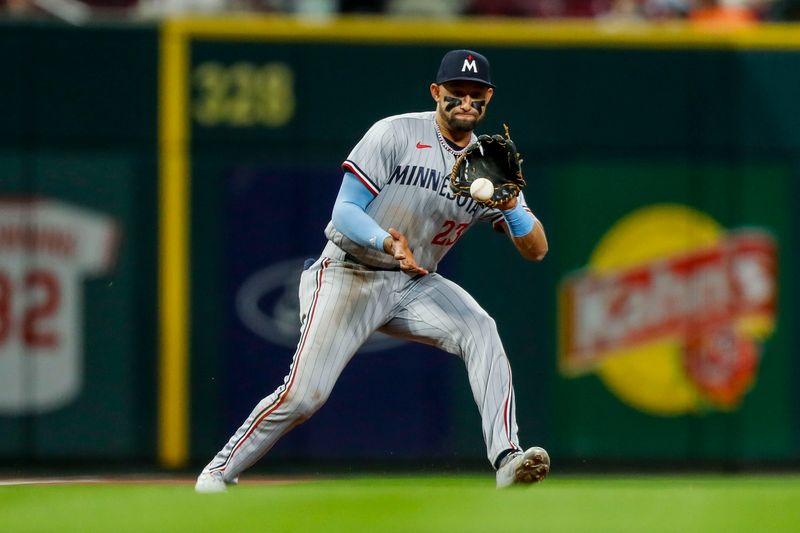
<point>523,468</point>
<point>210,483</point>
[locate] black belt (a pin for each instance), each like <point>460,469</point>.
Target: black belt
<point>352,259</point>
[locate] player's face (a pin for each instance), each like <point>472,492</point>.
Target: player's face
<point>461,104</point>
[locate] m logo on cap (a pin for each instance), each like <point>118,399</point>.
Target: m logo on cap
<point>464,65</point>
<point>469,64</point>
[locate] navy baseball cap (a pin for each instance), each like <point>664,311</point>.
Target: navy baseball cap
<point>464,65</point>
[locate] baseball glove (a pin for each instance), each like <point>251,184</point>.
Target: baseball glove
<point>495,158</point>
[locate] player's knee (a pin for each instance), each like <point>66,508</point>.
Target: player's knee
<point>486,332</point>
<point>488,323</point>
<point>309,403</point>
<point>482,334</point>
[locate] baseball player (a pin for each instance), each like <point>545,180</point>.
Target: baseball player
<point>394,219</point>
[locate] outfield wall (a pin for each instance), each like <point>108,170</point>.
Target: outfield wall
<point>662,162</point>
<point>77,253</point>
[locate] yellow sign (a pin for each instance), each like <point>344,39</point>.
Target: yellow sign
<point>670,310</point>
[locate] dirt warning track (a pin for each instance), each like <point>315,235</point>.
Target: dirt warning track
<point>135,479</point>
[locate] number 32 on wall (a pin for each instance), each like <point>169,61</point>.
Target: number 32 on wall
<point>27,306</point>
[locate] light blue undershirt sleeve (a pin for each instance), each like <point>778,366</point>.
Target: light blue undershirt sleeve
<point>519,221</point>
<point>350,214</point>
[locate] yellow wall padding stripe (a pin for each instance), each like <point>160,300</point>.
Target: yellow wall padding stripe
<point>174,235</point>
<point>489,31</point>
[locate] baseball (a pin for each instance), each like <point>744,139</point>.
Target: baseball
<point>481,189</point>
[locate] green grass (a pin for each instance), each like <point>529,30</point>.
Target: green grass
<point>417,504</point>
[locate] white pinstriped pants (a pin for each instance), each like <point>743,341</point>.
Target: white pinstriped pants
<point>344,303</point>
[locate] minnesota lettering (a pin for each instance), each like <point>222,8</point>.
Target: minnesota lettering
<point>430,178</point>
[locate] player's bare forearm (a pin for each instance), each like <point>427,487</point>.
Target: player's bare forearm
<point>532,246</point>
<point>397,246</point>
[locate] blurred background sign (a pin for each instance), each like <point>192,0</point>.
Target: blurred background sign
<point>687,307</point>
<point>48,249</point>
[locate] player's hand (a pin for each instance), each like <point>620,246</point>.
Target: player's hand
<point>399,249</point>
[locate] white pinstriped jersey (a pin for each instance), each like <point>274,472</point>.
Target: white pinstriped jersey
<point>405,162</point>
